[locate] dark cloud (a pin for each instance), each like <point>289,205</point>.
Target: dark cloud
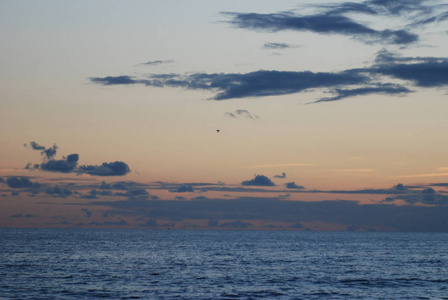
<point>280,176</point>
<point>182,189</point>
<point>277,46</point>
<point>336,18</point>
<point>328,23</point>
<point>426,73</point>
<point>259,180</point>
<point>426,196</point>
<point>242,113</point>
<point>69,164</point>
<point>293,185</point>
<point>348,213</point>
<point>93,194</point>
<point>114,80</point>
<point>23,216</point>
<point>120,185</point>
<point>48,153</point>
<point>117,168</point>
<point>65,165</point>
<point>256,84</point>
<point>19,182</point>
<point>58,192</point>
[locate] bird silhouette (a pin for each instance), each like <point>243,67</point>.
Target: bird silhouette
<point>217,130</point>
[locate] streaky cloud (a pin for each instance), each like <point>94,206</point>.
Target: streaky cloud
<point>114,80</point>
<point>157,62</point>
<point>380,89</point>
<point>328,23</point>
<point>277,46</point>
<point>378,79</point>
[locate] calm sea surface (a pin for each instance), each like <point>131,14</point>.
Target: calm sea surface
<point>156,264</point>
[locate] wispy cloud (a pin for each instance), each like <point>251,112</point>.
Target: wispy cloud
<point>282,165</point>
<point>242,113</point>
<point>156,62</point>
<point>420,175</point>
<point>277,46</point>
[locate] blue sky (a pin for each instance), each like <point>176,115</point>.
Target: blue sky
<point>337,95</point>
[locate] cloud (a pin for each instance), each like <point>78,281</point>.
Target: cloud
<point>277,46</point>
<point>157,62</point>
<point>114,80</point>
<point>18,182</point>
<point>328,23</point>
<point>49,153</point>
<point>426,196</point>
<point>259,180</point>
<point>58,192</point>
<point>117,168</point>
<point>65,165</point>
<point>293,185</point>
<point>280,176</point>
<point>69,164</point>
<point>242,113</point>
<point>182,189</point>
<point>120,185</point>
<point>381,216</point>
<point>380,89</point>
<point>23,216</point>
<point>254,84</point>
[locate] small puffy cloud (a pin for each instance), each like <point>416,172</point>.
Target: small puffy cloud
<point>18,182</point>
<point>280,176</point>
<point>259,180</point>
<point>241,113</point>
<point>69,164</point>
<point>293,185</point>
<point>49,153</point>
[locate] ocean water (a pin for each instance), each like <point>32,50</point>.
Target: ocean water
<point>168,264</point>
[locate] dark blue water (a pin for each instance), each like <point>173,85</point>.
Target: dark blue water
<point>150,264</point>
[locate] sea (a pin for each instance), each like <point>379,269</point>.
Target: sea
<point>200,264</point>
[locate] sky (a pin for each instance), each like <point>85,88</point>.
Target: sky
<point>111,109</point>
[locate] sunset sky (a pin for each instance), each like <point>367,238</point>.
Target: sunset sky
<point>325,96</point>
